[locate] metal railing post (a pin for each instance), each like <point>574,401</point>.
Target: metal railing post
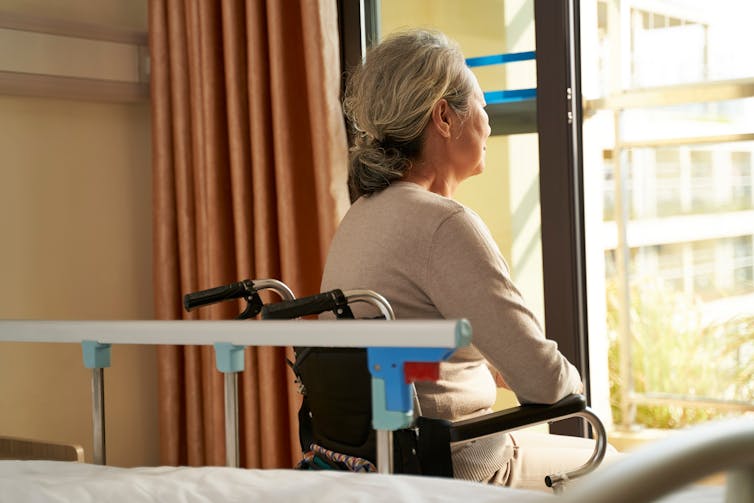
<point>98,415</point>
<point>97,358</point>
<point>232,452</point>
<point>622,267</point>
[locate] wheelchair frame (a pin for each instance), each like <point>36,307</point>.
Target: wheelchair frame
<point>460,431</point>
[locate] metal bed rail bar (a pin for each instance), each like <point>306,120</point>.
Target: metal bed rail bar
<point>321,333</point>
<point>658,469</point>
<point>229,338</point>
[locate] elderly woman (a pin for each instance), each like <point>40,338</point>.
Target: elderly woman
<point>420,128</point>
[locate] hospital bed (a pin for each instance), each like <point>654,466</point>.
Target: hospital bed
<point>640,477</point>
<point>650,474</point>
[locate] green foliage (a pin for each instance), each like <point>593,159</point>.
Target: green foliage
<point>675,351</point>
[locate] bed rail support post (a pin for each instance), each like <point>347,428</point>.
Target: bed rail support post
<point>393,372</point>
<point>97,358</point>
<point>229,359</point>
<point>98,415</point>
<point>232,453</point>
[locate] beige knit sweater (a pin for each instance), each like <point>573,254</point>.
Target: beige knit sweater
<point>432,257</point>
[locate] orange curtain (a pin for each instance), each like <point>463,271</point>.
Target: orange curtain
<point>249,160</point>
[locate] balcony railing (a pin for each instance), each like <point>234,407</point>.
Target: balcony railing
<point>625,233</point>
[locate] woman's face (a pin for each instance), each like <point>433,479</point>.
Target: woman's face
<point>470,135</point>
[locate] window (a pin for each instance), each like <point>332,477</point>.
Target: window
<point>669,135</point>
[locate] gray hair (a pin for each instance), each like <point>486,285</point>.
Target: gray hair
<point>389,101</point>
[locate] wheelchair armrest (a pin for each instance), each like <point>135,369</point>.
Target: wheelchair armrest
<point>529,415</point>
<point>515,418</point>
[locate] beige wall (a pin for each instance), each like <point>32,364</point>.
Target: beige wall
<point>128,14</point>
<point>75,221</point>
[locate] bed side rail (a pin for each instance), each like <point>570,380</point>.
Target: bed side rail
<point>681,459</point>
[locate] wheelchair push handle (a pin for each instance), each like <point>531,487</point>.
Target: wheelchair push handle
<point>222,293</point>
<point>245,289</point>
<point>333,300</point>
<point>336,301</point>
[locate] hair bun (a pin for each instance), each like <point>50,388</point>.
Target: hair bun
<point>374,167</point>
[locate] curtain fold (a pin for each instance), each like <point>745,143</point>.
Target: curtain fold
<point>249,168</point>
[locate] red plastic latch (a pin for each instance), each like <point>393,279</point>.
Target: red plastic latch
<point>421,371</point>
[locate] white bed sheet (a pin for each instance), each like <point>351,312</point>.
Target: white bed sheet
<point>54,481</point>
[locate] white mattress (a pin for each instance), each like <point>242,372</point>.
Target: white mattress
<point>51,481</point>
<point>55,481</point>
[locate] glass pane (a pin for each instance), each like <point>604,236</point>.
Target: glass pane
<point>668,160</point>
<point>634,44</point>
<point>506,195</point>
<point>691,120</point>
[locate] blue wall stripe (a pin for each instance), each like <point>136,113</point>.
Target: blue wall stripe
<point>498,59</point>
<point>494,97</point>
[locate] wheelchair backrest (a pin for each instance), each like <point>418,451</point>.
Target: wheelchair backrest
<point>336,411</point>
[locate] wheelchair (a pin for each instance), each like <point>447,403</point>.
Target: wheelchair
<point>335,417</point>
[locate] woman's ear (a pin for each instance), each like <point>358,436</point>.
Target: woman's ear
<point>441,118</point>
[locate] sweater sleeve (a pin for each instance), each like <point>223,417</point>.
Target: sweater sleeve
<point>467,277</point>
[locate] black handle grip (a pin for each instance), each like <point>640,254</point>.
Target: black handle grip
<point>219,293</point>
<point>305,306</point>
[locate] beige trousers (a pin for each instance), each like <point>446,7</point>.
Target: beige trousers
<point>536,455</point>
